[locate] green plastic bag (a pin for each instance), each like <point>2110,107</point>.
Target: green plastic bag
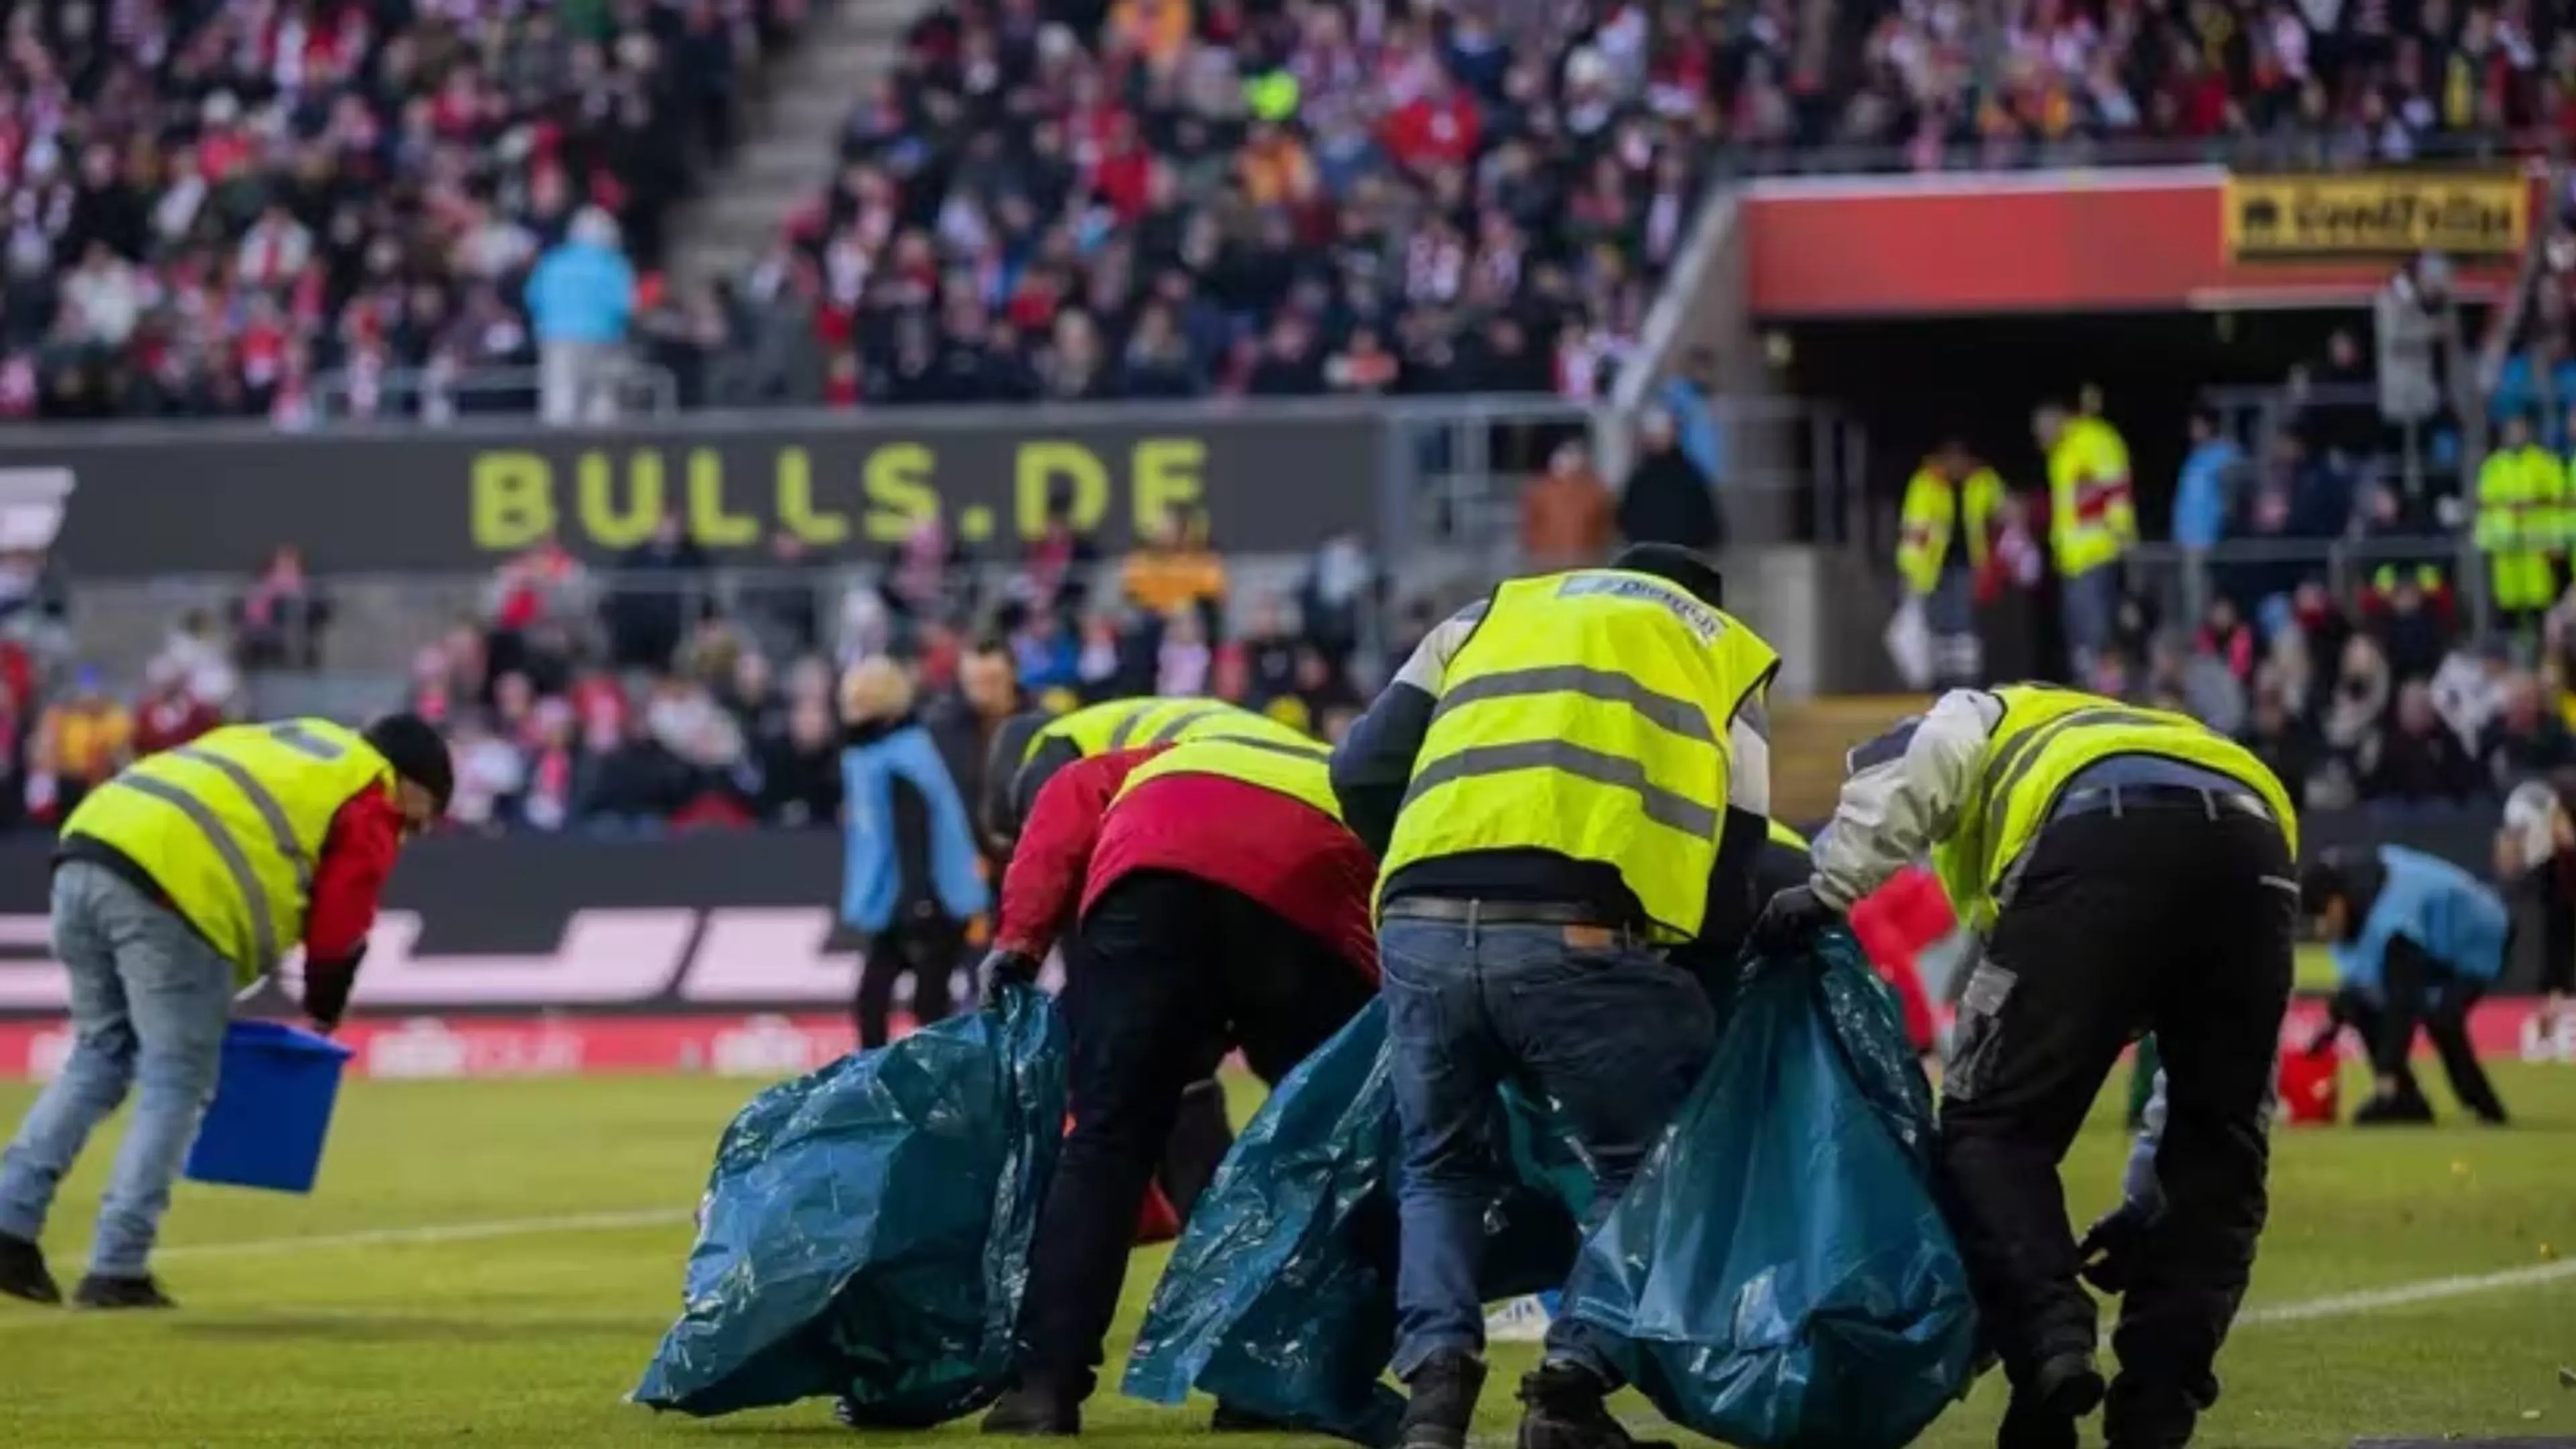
<point>865,1232</point>
<point>1777,1272</point>
<point>1280,1298</point>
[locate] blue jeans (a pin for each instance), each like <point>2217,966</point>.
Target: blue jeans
<point>2089,603</point>
<point>150,1001</point>
<point>1614,1035</point>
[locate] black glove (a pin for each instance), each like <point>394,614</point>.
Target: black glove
<point>1004,969</point>
<point>1790,919</point>
<point>2109,1251</point>
<point>327,985</point>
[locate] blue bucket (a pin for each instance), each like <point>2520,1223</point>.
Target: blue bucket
<point>272,1109</point>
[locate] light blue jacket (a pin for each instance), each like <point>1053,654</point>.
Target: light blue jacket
<point>1695,428</point>
<point>2438,906</point>
<point>581,292</point>
<point>2200,495</point>
<point>872,866</point>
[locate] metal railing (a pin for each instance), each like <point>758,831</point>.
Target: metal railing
<point>438,397</point>
<point>2178,584</point>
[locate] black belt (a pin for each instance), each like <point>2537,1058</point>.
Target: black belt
<point>2117,800</point>
<point>1503,913</point>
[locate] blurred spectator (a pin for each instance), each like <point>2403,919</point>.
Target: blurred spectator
<point>193,654</point>
<point>277,623</point>
<point>2283,741</point>
<point>1342,585</point>
<point>656,596</point>
<point>1183,658</point>
<point>1174,567</point>
<point>1566,513</point>
<point>490,776</point>
<point>2412,632</point>
<point>170,714</point>
<point>925,579</point>
<point>800,768</point>
<point>684,718</point>
<point>2419,760</point>
<point>1270,648</point>
<point>962,720</point>
<point>2202,495</point>
<point>782,609</point>
<point>2525,740</point>
<point>1688,397</point>
<point>580,298</point>
<point>1668,499</point>
<point>84,738</point>
<point>751,696</point>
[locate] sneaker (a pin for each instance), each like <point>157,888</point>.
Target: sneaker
<point>23,1273</point>
<point>116,1293</point>
<point>2030,1424</point>
<point>1565,1407</point>
<point>1440,1401</point>
<point>2070,1384</point>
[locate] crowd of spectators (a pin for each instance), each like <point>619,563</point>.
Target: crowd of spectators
<point>2308,83</point>
<point>213,206</point>
<point>1176,198</point>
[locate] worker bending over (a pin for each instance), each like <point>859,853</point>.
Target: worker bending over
<point>2132,872</point>
<point>1208,898</point>
<point>1567,780</point>
<point>2416,941</point>
<point>177,884</point>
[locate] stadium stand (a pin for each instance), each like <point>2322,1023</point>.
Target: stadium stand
<point>216,207</point>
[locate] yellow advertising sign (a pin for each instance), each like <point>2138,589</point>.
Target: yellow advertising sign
<point>2375,214</point>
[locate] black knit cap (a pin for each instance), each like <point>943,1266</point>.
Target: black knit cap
<point>1676,564</point>
<point>418,753</point>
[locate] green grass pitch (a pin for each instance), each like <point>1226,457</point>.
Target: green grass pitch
<point>490,1264</point>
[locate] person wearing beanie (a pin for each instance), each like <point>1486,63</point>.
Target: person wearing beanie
<point>178,884</point>
<point>1568,782</point>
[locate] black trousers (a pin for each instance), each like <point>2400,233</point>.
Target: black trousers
<point>920,943</point>
<point>2161,920</point>
<point>1165,975</point>
<point>2416,993</point>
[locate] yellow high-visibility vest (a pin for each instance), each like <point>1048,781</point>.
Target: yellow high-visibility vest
<point>1121,724</point>
<point>1783,835</point>
<point>1301,770</point>
<point>1588,715</point>
<point>1937,509</point>
<point>2047,737</point>
<point>2092,517</point>
<point>2522,501</point>
<point>231,827</point>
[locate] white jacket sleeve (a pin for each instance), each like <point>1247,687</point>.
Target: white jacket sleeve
<point>1903,795</point>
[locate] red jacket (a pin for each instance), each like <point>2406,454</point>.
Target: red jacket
<point>1256,842</point>
<point>357,855</point>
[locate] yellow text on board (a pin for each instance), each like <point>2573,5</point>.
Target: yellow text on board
<point>612,498</point>
<point>2376,214</point>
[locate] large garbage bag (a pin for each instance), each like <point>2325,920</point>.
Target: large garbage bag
<point>1777,1271</point>
<point>865,1232</point>
<point>1280,1298</point>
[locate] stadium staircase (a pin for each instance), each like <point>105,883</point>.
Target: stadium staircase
<point>1809,738</point>
<point>792,130</point>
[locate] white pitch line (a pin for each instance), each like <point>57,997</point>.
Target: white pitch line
<point>433,1233</point>
<point>2403,1295</point>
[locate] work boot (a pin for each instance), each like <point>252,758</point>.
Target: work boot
<point>2068,1384</point>
<point>1440,1401</point>
<point>2139,1417</point>
<point>2030,1424</point>
<point>23,1273</point>
<point>1232,1419</point>
<point>1564,1407</point>
<point>1038,1409</point>
<point>118,1293</point>
<point>2395,1109</point>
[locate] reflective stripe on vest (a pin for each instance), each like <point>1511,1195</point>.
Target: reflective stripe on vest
<point>1300,770</point>
<point>231,827</point>
<point>1120,724</point>
<point>2045,739</point>
<point>1587,716</point>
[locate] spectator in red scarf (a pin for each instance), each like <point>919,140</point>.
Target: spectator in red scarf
<point>170,715</point>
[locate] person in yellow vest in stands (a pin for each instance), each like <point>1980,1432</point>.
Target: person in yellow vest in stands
<point>1946,528</point>
<point>1565,781</point>
<point>2522,499</point>
<point>2130,871</point>
<point>2092,524</point>
<point>181,880</point>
